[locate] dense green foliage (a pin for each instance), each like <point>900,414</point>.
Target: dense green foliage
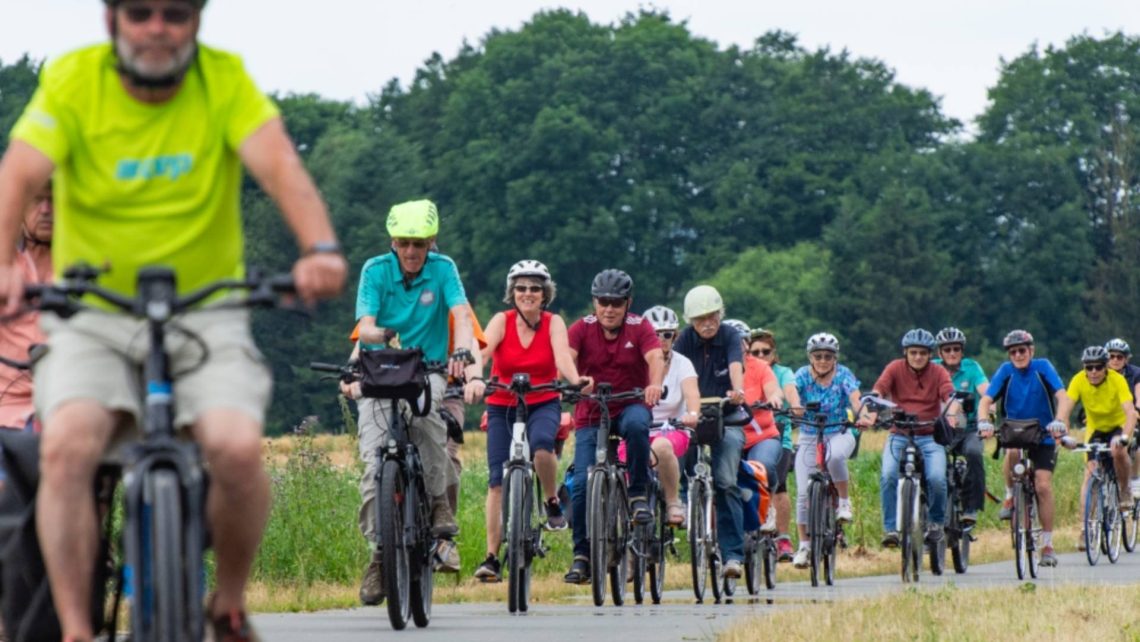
<point>813,188</point>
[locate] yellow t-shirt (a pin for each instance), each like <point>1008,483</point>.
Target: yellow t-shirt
<point>143,185</point>
<point>1103,404</point>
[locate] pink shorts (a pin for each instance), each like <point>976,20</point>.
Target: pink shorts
<point>679,439</point>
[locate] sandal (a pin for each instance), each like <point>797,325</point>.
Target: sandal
<point>675,513</point>
<point>579,571</point>
<point>639,510</point>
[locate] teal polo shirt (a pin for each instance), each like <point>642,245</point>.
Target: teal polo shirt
<point>784,376</point>
<point>969,376</point>
<point>417,312</point>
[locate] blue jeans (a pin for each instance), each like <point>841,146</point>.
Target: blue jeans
<point>768,452</point>
<point>633,426</point>
<point>934,464</point>
<point>729,504</point>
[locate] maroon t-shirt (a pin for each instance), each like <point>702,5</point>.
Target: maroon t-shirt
<point>919,393</point>
<point>619,362</point>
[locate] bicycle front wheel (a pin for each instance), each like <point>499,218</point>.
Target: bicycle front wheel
<point>816,521</point>
<point>517,521</point>
<point>910,545</point>
<point>421,579</point>
<point>169,588</point>
<point>597,521</point>
<point>1093,520</point>
<point>1112,522</point>
<point>830,545</point>
<point>1130,520</point>
<point>618,541</point>
<point>698,534</point>
<point>394,549</point>
<point>663,539</point>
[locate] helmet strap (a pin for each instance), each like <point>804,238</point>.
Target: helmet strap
<point>533,326</point>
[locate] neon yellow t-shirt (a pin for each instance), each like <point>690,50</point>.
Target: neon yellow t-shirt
<point>1103,404</point>
<point>141,185</point>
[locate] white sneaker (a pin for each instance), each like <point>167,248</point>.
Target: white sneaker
<point>769,525</point>
<point>1134,486</point>
<point>843,511</point>
<point>801,558</point>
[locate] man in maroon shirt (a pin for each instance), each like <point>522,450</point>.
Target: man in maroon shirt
<point>615,347</point>
<point>920,388</point>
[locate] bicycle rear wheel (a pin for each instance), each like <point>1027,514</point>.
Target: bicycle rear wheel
<point>753,562</point>
<point>816,529</point>
<point>170,588</point>
<point>1130,521</point>
<point>518,519</point>
<point>1112,522</point>
<point>771,559</point>
<point>698,534</point>
<point>1093,520</point>
<point>911,558</point>
<point>618,541</point>
<point>597,521</point>
<point>394,551</point>
<point>422,578</point>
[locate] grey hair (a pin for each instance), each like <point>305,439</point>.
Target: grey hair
<point>549,289</point>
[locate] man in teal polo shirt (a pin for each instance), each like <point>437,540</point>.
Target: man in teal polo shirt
<point>409,292</point>
<point>966,375</point>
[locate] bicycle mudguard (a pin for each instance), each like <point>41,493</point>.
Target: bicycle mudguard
<point>752,478</point>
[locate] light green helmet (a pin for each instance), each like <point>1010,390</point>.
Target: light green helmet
<point>702,300</point>
<point>413,220</point>
<point>197,3</point>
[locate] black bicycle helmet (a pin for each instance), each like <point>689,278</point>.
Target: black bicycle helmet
<point>1094,354</point>
<point>612,283</point>
<point>1017,338</point>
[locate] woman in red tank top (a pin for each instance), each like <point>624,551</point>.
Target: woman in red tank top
<point>525,339</point>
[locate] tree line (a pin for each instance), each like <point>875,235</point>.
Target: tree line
<point>813,189</point>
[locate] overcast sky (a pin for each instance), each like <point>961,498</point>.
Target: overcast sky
<point>347,49</point>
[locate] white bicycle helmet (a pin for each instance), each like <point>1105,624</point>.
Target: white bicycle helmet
<point>662,318</point>
<point>528,267</point>
<point>1118,345</point>
<point>741,327</point>
<point>702,300</point>
<point>822,341</point>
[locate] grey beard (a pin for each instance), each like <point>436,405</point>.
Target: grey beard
<point>152,78</point>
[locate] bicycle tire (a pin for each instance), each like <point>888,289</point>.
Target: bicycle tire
<point>596,521</point>
<point>815,529</point>
<point>958,538</point>
<point>618,541</point>
<point>716,564</point>
<point>421,579</point>
<point>657,564</point>
<point>517,520</point>
<point>829,541</point>
<point>753,563</point>
<point>170,587</point>
<point>906,531</point>
<point>1112,521</point>
<point>698,561</point>
<point>639,548</point>
<point>1093,520</point>
<point>1017,523</point>
<point>394,551</point>
<point>1031,556</point>
<point>1129,523</point>
<point>771,560</point>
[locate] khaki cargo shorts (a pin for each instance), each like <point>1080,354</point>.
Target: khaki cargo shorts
<point>99,355</point>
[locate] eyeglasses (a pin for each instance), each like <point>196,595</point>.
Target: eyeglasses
<point>760,352</point>
<point>1018,351</point>
<point>419,244</point>
<point>173,15</point>
<point>606,302</point>
<point>1094,367</point>
<point>1119,356</point>
<point>708,319</point>
<point>951,349</point>
<point>822,356</point>
<point>666,334</point>
<point>533,289</point>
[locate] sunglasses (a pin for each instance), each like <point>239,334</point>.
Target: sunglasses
<point>1017,352</point>
<point>666,334</point>
<point>951,349</point>
<point>607,302</point>
<point>822,356</point>
<point>173,15</point>
<point>1119,356</point>
<point>918,353</point>
<point>419,244</point>
<point>760,352</point>
<point>533,289</point>
<point>1094,367</point>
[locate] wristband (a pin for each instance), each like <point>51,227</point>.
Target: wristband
<point>323,247</point>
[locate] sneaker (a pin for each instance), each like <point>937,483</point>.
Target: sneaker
<point>733,569</point>
<point>555,519</point>
<point>579,571</point>
<point>784,549</point>
<point>843,511</point>
<point>446,557</point>
<point>801,558</point>
<point>890,539</point>
<point>1048,558</point>
<point>1006,512</point>
<point>372,586</point>
<point>933,535</point>
<point>490,571</point>
<point>969,518</point>
<point>769,525</point>
<point>1134,488</point>
<point>442,519</point>
<point>233,626</point>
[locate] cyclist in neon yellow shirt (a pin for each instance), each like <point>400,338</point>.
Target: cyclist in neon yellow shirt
<point>1110,416</point>
<point>146,137</point>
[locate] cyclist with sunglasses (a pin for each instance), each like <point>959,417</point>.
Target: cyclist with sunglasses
<point>1110,415</point>
<point>527,339</point>
<point>146,136</point>
<point>682,402</point>
<point>616,347</point>
<point>715,350</point>
<point>966,375</point>
<point>834,387</point>
<point>1029,388</point>
<point>920,388</point>
<point>1119,355</point>
<point>762,345</point>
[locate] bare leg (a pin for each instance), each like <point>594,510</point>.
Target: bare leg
<point>74,438</point>
<point>546,465</point>
<point>668,469</point>
<point>1122,462</point>
<point>238,505</point>
<point>783,513</point>
<point>1044,485</point>
<point>841,488</point>
<point>494,520</point>
<point>1085,489</point>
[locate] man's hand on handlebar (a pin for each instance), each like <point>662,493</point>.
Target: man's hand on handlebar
<point>735,396</point>
<point>319,276</point>
<point>985,429</point>
<point>653,394</point>
<point>1057,428</point>
<point>587,384</point>
<point>351,389</point>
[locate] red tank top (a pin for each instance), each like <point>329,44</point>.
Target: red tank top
<point>511,358</point>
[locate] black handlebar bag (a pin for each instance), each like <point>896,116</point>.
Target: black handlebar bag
<point>1019,433</point>
<point>394,374</point>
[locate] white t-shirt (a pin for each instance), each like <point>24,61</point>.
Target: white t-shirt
<point>672,406</point>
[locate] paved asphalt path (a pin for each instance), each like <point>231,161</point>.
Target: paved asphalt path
<point>677,618</point>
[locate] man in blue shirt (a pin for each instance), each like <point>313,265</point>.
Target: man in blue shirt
<point>717,355</point>
<point>1028,389</point>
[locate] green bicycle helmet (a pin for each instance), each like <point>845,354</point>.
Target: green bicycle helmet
<point>413,220</point>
